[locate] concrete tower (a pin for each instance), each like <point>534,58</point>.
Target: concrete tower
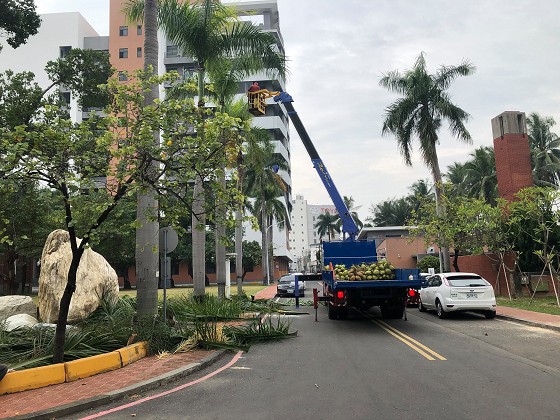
<point>512,153</point>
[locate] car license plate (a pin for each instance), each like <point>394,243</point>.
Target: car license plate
<point>472,295</point>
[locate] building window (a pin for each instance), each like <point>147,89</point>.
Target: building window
<point>122,76</point>
<point>171,51</point>
<point>65,97</point>
<point>64,51</point>
<point>123,30</point>
<point>123,52</point>
<point>139,52</point>
<point>139,30</point>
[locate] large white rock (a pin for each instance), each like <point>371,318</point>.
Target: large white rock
<point>20,320</point>
<point>16,304</point>
<point>95,279</point>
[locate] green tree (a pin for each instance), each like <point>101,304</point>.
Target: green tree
<point>463,226</point>
<point>268,203</point>
<point>540,205</point>
<point>262,182</point>
<point>425,104</point>
<point>480,174</point>
<point>209,31</point>
<point>67,156</point>
<point>18,20</point>
<point>327,225</point>
<point>27,215</point>
<point>545,154</point>
<point>456,177</point>
<point>353,209</point>
<point>252,256</point>
<point>394,212</point>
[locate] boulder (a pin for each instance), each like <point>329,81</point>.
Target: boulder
<point>13,305</point>
<point>20,320</point>
<point>96,279</point>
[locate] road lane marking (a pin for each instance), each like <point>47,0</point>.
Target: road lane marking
<point>161,394</point>
<point>420,348</point>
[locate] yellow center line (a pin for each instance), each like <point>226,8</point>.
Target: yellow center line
<point>409,341</point>
<point>412,340</point>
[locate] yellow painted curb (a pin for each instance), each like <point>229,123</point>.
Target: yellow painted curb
<point>39,377</point>
<point>133,352</point>
<point>82,368</point>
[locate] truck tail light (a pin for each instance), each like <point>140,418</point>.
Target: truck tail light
<point>340,294</point>
<point>411,292</point>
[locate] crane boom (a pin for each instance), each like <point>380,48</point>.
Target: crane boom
<point>257,98</point>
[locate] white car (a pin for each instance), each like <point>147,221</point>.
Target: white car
<point>287,285</point>
<point>452,292</point>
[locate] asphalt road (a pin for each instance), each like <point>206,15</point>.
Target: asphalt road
<point>466,367</point>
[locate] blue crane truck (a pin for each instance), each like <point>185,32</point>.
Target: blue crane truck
<point>389,294</point>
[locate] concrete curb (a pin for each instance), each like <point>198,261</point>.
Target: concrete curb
<point>530,323</point>
<point>40,377</point>
<point>146,385</point>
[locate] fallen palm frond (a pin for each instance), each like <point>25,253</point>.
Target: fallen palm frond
<point>258,331</point>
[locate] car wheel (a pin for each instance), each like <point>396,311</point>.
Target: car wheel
<point>490,314</point>
<point>440,312</point>
<point>421,307</point>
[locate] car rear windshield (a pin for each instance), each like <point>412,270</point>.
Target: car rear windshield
<point>466,281</point>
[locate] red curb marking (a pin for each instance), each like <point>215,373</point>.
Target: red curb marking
<point>132,404</point>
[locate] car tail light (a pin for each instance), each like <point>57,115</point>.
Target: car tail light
<point>340,294</point>
<point>411,292</point>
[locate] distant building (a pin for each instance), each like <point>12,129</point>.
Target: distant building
<point>304,238</point>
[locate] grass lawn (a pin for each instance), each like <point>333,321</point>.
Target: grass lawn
<point>545,305</point>
<point>249,289</point>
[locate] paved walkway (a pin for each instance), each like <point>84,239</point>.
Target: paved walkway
<point>151,372</point>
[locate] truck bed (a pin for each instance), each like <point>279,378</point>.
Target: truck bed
<point>402,280</point>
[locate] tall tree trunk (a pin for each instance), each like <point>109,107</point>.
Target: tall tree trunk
<point>147,239</point>
<point>198,240</point>
<point>440,209</point>
<point>199,217</point>
<point>239,250</point>
<point>220,234</point>
<point>64,307</point>
<point>270,248</point>
<point>264,245</point>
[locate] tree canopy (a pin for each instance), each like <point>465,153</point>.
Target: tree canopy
<point>18,21</point>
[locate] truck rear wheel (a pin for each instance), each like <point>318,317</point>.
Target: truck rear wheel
<point>333,313</point>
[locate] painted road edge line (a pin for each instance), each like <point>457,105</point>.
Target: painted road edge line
<point>170,391</point>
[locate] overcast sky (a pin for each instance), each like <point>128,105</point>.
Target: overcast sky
<point>338,50</point>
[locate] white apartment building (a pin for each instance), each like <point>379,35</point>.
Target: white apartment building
<point>58,33</point>
<point>304,239</point>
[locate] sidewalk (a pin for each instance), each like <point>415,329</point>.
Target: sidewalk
<point>151,372</point>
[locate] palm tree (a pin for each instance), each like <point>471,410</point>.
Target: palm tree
<point>424,105</point>
<point>395,212</point>
<point>327,224</point>
<point>456,176</point>
<point>268,204</point>
<point>480,174</point>
<point>147,204</point>
<point>545,154</point>
<point>209,31</point>
<point>261,181</point>
<point>353,209</point>
<point>420,191</point>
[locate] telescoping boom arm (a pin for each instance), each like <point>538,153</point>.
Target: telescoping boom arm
<point>257,107</point>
